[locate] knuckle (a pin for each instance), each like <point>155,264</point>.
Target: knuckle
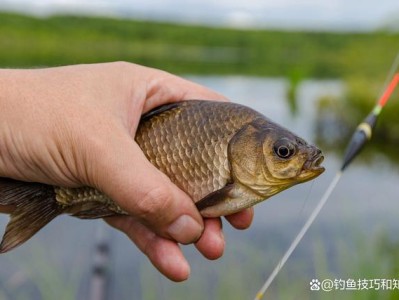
<point>154,203</point>
<point>122,67</point>
<point>149,245</point>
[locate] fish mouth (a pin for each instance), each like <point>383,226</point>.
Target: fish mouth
<point>312,167</point>
<point>315,162</point>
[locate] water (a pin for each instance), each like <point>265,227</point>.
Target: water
<point>57,262</point>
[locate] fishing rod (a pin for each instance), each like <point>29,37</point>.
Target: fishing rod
<point>360,137</point>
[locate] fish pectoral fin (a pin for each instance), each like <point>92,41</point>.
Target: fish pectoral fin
<point>230,199</point>
<point>91,211</point>
<point>215,198</point>
<point>30,205</point>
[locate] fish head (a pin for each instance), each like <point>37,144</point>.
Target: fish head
<point>289,159</point>
<point>268,159</point>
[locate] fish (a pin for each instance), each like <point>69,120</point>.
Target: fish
<point>225,156</point>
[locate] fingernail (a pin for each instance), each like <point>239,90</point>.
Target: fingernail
<point>185,230</point>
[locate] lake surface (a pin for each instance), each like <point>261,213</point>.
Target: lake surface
<point>342,243</point>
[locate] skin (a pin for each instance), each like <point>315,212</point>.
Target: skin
<point>74,126</point>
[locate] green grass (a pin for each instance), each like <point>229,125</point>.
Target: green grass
<point>28,41</point>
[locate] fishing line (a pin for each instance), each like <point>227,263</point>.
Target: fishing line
<point>391,73</point>
<point>308,196</point>
<point>359,139</point>
<point>304,204</point>
<point>299,237</point>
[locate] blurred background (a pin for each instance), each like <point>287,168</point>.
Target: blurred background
<point>314,66</point>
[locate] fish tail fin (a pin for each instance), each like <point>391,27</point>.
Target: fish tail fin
<point>30,206</point>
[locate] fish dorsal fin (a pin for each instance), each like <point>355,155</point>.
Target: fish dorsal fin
<point>160,109</point>
<point>30,205</point>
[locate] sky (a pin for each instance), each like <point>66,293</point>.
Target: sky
<point>356,15</point>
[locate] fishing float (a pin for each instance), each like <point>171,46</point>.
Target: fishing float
<point>359,139</point>
<point>365,129</point>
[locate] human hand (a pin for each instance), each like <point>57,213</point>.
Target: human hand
<point>75,125</point>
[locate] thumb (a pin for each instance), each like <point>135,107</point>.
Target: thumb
<point>124,174</point>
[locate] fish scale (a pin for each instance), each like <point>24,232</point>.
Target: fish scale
<point>194,139</point>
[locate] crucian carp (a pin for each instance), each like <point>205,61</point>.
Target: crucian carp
<point>225,156</point>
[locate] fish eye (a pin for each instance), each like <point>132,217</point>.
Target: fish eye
<point>284,149</point>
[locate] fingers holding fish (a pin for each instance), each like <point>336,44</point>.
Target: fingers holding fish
<point>163,253</point>
<point>211,244</point>
<point>241,220</point>
<point>147,194</point>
